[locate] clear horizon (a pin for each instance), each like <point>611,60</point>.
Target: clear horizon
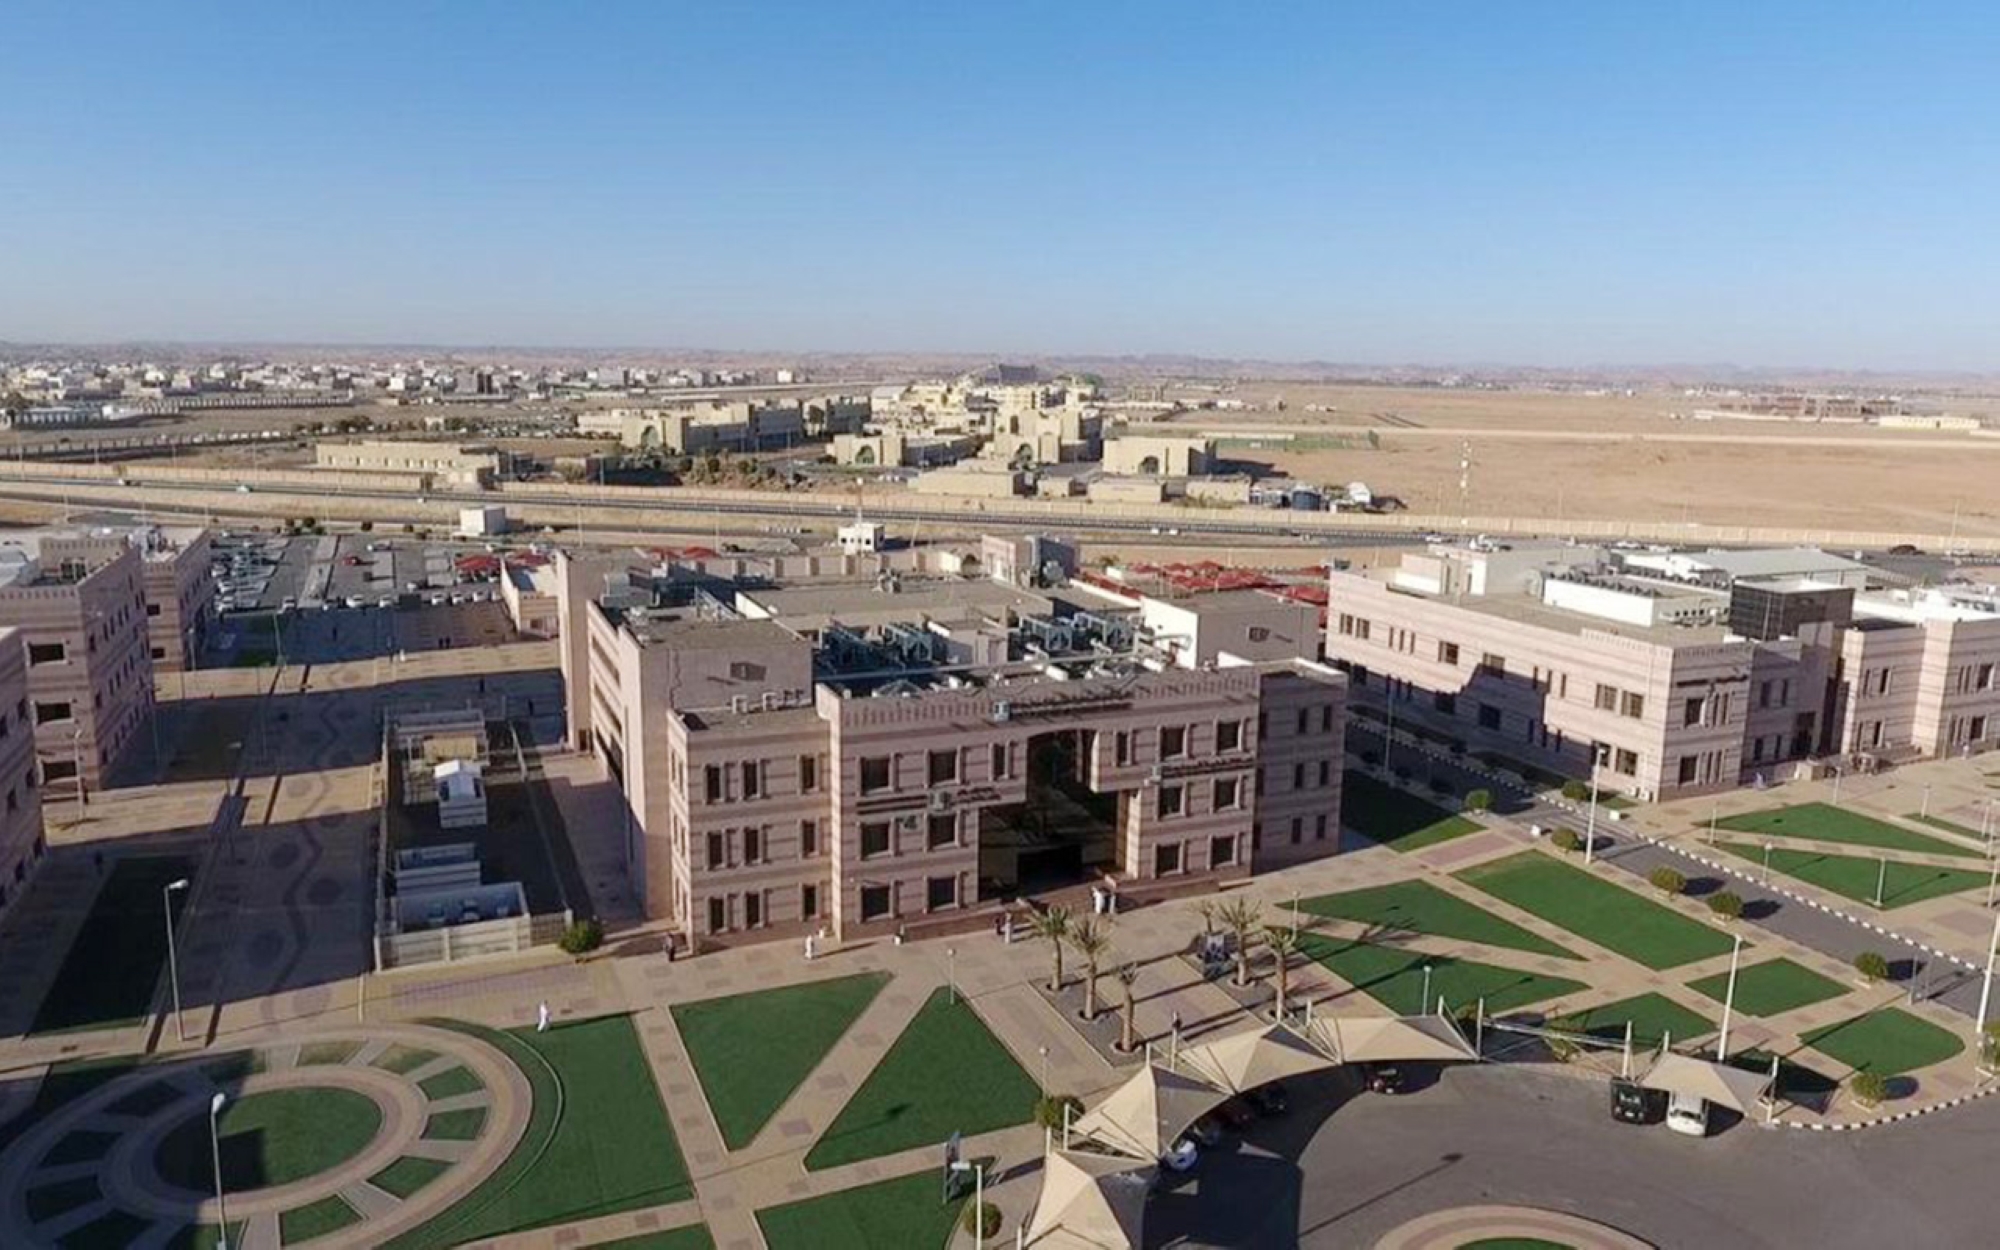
<point>1798,187</point>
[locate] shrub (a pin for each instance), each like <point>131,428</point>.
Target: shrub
<point>1049,1109</point>
<point>367,527</point>
<point>982,1220</point>
<point>1566,840</point>
<point>1575,791</point>
<point>581,936</point>
<point>1667,880</point>
<point>1869,1087</point>
<point>1478,800</point>
<point>1726,904</point>
<point>1872,965</point>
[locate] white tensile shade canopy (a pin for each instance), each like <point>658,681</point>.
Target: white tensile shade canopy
<point>1090,1202</point>
<point>1718,1083</point>
<point>1393,1039</point>
<point>1144,1116</point>
<point>1243,1061</point>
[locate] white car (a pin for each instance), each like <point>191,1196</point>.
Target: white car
<point>243,488</point>
<point>1688,1114</point>
<point>356,601</point>
<point>1182,1156</point>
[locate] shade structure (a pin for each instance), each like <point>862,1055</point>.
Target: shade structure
<point>1243,1061</point>
<point>1392,1039</point>
<point>1091,1200</point>
<point>1144,1116</point>
<point>1717,1082</point>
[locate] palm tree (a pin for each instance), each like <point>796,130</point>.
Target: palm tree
<point>1206,909</point>
<point>1053,924</point>
<point>1241,917</point>
<point>1091,939</point>
<point>1284,942</point>
<point>1126,974</point>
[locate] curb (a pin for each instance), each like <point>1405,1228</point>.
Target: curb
<point>1898,1118</point>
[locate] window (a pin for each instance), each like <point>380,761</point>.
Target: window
<point>940,893</point>
<point>152,609</point>
<point>753,778</point>
<point>943,832</point>
<point>1228,794</point>
<point>1222,851</point>
<point>874,838</point>
<point>1607,698</point>
<point>48,712</point>
<point>1121,747</point>
<point>1489,716</point>
<point>1690,766</point>
<point>1985,681</point>
<point>1326,713</point>
<point>718,847</point>
<point>1319,827</point>
<point>1305,720</point>
<point>1166,859</point>
<point>1493,665</point>
<point>58,770</point>
<point>1764,694</point>
<point>1628,762</point>
<point>753,847</point>
<point>1173,742</point>
<point>809,902</point>
<point>1229,735</point>
<point>753,910</point>
<point>1691,713</point>
<point>47,653</point>
<point>1975,729</point>
<point>1448,653</point>
<point>1172,801</point>
<point>1756,750</point>
<point>942,768</point>
<point>875,771</point>
<point>718,915</point>
<point>1635,705</point>
<point>1298,776</point>
<point>1298,829</point>
<point>808,838</point>
<point>874,902</point>
<point>1445,701</point>
<point>808,773</point>
<point>999,761</point>
<point>712,783</point>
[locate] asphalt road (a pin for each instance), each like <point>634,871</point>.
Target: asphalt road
<point>1342,1168</point>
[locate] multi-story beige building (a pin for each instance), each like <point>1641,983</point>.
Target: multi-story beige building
<point>1661,675</point>
<point>80,606</point>
<point>906,750</point>
<point>21,841</point>
<point>447,463</point>
<point>180,594</point>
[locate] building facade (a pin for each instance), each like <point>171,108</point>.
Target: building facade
<point>22,844</point>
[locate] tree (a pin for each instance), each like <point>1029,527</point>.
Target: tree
<point>1090,938</point>
<point>1205,908</point>
<point>1567,840</point>
<point>581,936</point>
<point>1241,917</point>
<point>1127,974</point>
<point>1053,924</point>
<point>1478,800</point>
<point>1049,1109</point>
<point>1727,904</point>
<point>1284,942</point>
<point>1869,1087</point>
<point>1575,791</point>
<point>1872,966</point>
<point>1667,880</point>
<point>982,1220</point>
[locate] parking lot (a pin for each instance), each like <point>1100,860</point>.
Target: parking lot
<point>276,573</point>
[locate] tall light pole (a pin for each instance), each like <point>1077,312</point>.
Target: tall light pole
<point>1590,825</point>
<point>1985,994</point>
<point>1728,1002</point>
<point>1881,879</point>
<point>1767,861</point>
<point>1426,1002</point>
<point>951,971</point>
<point>215,1106</point>
<point>1838,772</point>
<point>1924,809</point>
<point>1044,1051</point>
<point>173,961</point>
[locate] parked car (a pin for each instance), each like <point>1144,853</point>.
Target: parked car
<point>1633,1103</point>
<point>1384,1078</point>
<point>1688,1115</point>
<point>1268,1099</point>
<point>1236,1114</point>
<point>1182,1156</point>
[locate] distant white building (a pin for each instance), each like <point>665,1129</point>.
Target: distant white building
<point>860,538</point>
<point>482,522</point>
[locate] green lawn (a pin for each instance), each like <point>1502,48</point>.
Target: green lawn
<point>1382,813</point>
<point>450,1083</point>
<point>1420,907</point>
<point>408,1174</point>
<point>272,1138</point>
<point>66,1081</point>
<point>1886,1041</point>
<point>1951,826</point>
<point>108,977</point>
<point>908,1213</point>
<point>461,1125</point>
<point>692,1237</point>
<point>1770,988</point>
<point>1826,823</point>
<point>327,1052</point>
<point>1854,876</point>
<point>1609,915</point>
<point>612,1149</point>
<point>946,1074</point>
<point>1652,1017</point>
<point>315,1219</point>
<point>403,1060</point>
<point>1395,978</point>
<point>752,1050</point>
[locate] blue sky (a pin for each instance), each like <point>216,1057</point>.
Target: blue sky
<point>1777,184</point>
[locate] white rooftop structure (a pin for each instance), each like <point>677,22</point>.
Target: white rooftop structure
<point>461,793</point>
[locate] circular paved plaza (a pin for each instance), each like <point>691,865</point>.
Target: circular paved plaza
<point>343,1138</point>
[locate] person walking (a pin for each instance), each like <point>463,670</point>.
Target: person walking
<point>542,1017</point>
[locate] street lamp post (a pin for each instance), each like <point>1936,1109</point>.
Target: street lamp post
<point>215,1106</point>
<point>1728,1002</point>
<point>1767,861</point>
<point>1044,1051</point>
<point>1985,995</point>
<point>1590,824</point>
<point>951,971</point>
<point>1881,879</point>
<point>1924,809</point>
<point>978,1200</point>
<point>1838,772</point>
<point>1427,988</point>
<point>173,960</point>
<point>1295,915</point>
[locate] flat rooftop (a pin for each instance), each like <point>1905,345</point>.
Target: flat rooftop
<point>683,627</point>
<point>858,604</point>
<point>1529,611</point>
